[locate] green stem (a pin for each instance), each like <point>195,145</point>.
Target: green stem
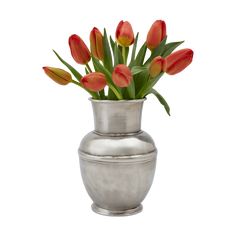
<point>88,67</point>
<point>114,90</point>
<point>123,55</point>
<point>93,94</point>
<point>142,91</point>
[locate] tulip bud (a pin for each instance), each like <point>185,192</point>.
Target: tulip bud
<point>177,61</point>
<point>96,43</point>
<point>94,81</point>
<point>122,76</point>
<point>156,34</point>
<point>58,75</point>
<point>124,34</point>
<point>79,50</point>
<point>156,66</point>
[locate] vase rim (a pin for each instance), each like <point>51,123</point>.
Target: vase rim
<point>118,101</point>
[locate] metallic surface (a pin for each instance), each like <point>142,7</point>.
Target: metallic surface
<point>117,159</point>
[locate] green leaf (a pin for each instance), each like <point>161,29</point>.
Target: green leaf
<point>133,51</point>
<point>149,85</point>
<point>107,53</point>
<point>102,94</point>
<point>138,69</point>
<point>161,100</point>
<point>131,89</point>
<point>77,75</point>
<point>170,47</point>
<point>140,81</point>
<point>86,71</point>
<point>157,51</point>
<point>141,55</point>
<point>112,42</point>
<point>111,95</point>
<point>117,56</point>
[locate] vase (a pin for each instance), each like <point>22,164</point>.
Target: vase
<point>117,159</point>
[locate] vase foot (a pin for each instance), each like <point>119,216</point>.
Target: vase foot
<point>106,212</point>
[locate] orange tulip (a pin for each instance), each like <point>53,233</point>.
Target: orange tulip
<point>79,50</point>
<point>58,75</point>
<point>96,43</point>
<point>156,66</point>
<point>122,76</point>
<point>177,61</point>
<point>156,34</point>
<point>94,81</point>
<point>124,34</point>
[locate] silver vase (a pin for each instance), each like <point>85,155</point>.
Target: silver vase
<point>117,159</point>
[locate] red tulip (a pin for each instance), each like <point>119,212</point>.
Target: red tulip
<point>122,76</point>
<point>58,75</point>
<point>156,66</point>
<point>94,81</point>
<point>156,34</point>
<point>177,61</point>
<point>124,34</point>
<point>79,50</point>
<point>96,43</point>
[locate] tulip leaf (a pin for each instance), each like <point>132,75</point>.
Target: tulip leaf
<point>112,42</point>
<point>77,75</point>
<point>149,85</point>
<point>140,81</point>
<point>138,69</point>
<point>131,89</point>
<point>86,71</point>
<point>111,95</point>
<point>141,55</point>
<point>157,51</point>
<point>117,56</point>
<point>133,51</point>
<point>102,94</point>
<point>170,47</point>
<point>107,53</point>
<point>161,100</point>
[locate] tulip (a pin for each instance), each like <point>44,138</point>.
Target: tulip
<point>122,76</point>
<point>94,81</point>
<point>156,66</point>
<point>177,61</point>
<point>124,34</point>
<point>58,75</point>
<point>96,43</point>
<point>156,34</point>
<point>79,50</point>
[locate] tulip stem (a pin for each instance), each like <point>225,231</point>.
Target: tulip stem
<point>93,94</point>
<point>114,90</point>
<point>124,55</point>
<point>88,67</point>
<point>77,83</point>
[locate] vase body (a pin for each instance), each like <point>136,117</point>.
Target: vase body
<point>117,159</point>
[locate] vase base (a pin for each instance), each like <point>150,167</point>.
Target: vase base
<point>106,212</point>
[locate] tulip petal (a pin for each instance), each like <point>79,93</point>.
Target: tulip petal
<point>58,75</point>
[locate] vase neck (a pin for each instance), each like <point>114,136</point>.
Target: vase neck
<point>117,117</point>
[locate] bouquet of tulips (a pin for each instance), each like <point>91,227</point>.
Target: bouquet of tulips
<point>125,79</point>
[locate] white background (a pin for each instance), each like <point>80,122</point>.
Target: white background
<point>42,123</point>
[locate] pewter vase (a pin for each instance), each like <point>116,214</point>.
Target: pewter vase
<point>117,159</point>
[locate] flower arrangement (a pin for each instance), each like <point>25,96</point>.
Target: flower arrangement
<point>125,79</point>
